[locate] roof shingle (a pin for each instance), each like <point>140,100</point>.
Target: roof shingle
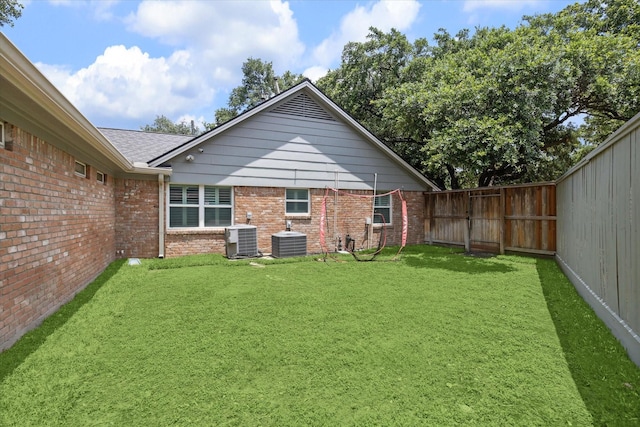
<point>140,146</point>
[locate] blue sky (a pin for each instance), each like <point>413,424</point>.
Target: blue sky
<point>122,63</point>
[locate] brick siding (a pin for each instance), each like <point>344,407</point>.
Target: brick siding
<point>179,243</point>
<point>56,231</point>
<point>137,217</point>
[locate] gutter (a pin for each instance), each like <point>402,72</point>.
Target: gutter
<point>144,169</point>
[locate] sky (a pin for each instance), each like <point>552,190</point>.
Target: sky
<point>123,63</point>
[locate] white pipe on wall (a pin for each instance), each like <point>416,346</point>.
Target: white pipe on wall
<point>160,216</point>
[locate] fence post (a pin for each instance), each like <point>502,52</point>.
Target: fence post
<point>467,229</point>
<point>432,220</point>
<point>502,222</point>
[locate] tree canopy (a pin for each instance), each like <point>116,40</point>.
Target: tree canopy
<point>163,124</point>
<point>501,105</point>
<point>259,83</point>
<point>9,11</point>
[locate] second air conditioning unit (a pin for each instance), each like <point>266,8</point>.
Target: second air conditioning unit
<point>288,244</point>
<point>241,241</point>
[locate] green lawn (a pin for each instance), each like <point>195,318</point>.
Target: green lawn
<point>435,338</point>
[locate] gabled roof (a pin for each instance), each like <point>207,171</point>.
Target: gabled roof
<point>305,87</point>
<point>140,146</point>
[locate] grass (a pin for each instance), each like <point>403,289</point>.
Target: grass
<point>436,338</point>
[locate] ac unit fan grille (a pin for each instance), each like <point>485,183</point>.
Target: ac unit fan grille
<point>247,242</point>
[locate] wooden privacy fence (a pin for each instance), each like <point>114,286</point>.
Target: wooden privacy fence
<point>519,218</point>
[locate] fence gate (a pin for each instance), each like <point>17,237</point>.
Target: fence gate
<point>494,219</point>
<point>485,222</point>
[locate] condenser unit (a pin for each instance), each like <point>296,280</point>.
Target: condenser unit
<point>288,244</point>
<point>241,241</point>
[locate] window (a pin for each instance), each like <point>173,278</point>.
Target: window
<point>198,206</point>
<point>217,206</point>
<point>100,177</point>
<point>6,138</point>
<point>297,201</point>
<point>80,169</point>
<point>382,206</point>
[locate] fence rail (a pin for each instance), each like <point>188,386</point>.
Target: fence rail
<point>519,218</point>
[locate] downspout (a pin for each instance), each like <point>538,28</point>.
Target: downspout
<point>161,224</point>
<point>373,209</point>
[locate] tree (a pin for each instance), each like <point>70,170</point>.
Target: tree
<point>367,70</point>
<point>259,83</point>
<point>500,106</point>
<point>9,11</point>
<point>603,39</point>
<point>163,124</point>
<point>477,110</point>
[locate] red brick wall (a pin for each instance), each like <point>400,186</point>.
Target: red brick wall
<point>179,243</point>
<point>267,207</point>
<point>56,231</point>
<point>137,217</point>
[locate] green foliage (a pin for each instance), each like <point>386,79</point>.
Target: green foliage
<point>436,338</point>
<point>9,11</point>
<point>163,124</point>
<point>259,83</point>
<point>369,69</point>
<point>496,107</point>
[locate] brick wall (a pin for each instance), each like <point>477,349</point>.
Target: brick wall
<point>179,243</point>
<point>267,207</point>
<point>137,217</point>
<point>56,231</point>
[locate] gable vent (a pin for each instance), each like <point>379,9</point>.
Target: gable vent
<point>303,106</point>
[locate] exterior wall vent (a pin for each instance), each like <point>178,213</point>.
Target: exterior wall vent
<point>288,244</point>
<point>303,106</point>
<point>241,241</point>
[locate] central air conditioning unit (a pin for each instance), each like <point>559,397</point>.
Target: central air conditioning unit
<point>288,244</point>
<point>241,241</point>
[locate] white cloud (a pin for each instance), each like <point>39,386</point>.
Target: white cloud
<point>314,73</point>
<point>127,82</point>
<point>354,27</point>
<point>223,34</point>
<point>211,41</point>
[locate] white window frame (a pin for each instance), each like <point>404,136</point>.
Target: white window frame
<point>202,206</point>
<point>307,201</point>
<point>101,177</point>
<point>84,167</point>
<point>377,221</point>
<point>2,134</point>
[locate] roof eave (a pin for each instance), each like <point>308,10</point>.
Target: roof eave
<point>40,96</point>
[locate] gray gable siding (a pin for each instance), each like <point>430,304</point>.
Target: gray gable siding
<point>273,149</point>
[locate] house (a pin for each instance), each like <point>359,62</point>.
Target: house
<point>289,148</point>
<point>73,198</point>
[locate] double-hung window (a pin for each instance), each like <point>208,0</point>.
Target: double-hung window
<point>297,201</point>
<point>217,206</point>
<point>382,210</point>
<point>199,206</point>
